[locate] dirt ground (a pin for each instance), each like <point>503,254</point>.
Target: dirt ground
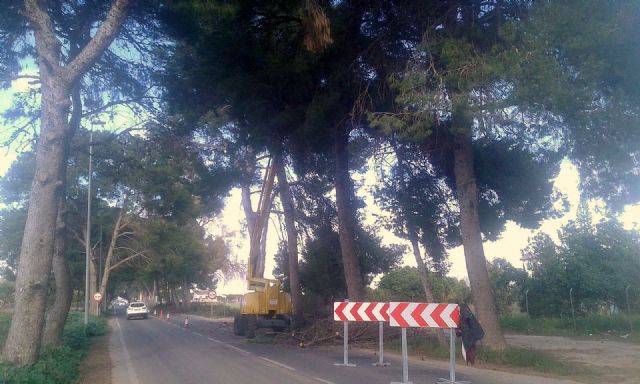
<point>96,367</point>
<point>617,361</point>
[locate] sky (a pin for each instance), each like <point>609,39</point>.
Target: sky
<point>508,246</point>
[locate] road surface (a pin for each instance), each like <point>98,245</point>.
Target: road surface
<point>160,351</point>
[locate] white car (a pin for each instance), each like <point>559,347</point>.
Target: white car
<point>137,309</point>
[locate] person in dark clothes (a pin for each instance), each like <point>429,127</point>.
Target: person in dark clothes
<point>471,332</point>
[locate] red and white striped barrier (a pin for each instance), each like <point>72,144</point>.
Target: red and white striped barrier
<point>360,311</point>
<point>433,315</point>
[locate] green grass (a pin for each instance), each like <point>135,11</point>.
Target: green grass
<point>57,365</point>
<point>584,325</point>
<point>518,359</point>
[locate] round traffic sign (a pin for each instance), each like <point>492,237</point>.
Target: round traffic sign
<point>97,296</point>
<point>211,295</point>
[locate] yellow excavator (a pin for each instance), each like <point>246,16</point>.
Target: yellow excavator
<point>265,305</point>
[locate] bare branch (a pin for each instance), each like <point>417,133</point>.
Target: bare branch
<point>128,258</point>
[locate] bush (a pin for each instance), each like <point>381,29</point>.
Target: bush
<point>57,365</point>
<point>585,325</point>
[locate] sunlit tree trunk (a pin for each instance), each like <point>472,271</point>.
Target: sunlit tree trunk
<point>292,242</point>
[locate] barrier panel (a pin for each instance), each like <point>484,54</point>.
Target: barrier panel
<point>361,311</point>
<point>433,315</point>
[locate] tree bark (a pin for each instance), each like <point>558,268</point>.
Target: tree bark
<point>57,314</point>
<point>481,292</point>
<point>346,217</point>
<point>34,267</point>
<point>112,246</point>
<point>292,242</point>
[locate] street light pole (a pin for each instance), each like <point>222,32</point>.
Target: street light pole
<point>87,290</point>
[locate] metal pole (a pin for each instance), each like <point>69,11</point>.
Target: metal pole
<point>405,357</point>
<point>452,355</point>
<point>526,300</point>
<point>573,313</point>
<point>88,236</point>
<point>626,293</point>
<point>345,339</point>
<point>381,362</point>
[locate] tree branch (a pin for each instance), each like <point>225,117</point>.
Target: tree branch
<point>102,39</point>
<point>47,43</point>
<point>126,259</point>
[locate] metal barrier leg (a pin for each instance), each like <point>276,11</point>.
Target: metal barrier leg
<point>345,339</point>
<point>380,362</point>
<point>405,360</point>
<point>452,361</point>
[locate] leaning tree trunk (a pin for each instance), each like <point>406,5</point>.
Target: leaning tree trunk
<point>110,251</point>
<point>34,267</point>
<point>424,276</point>
<point>481,291</point>
<point>346,218</point>
<point>292,242</point>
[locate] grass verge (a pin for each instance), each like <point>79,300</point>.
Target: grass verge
<point>520,360</point>
<point>56,365</point>
<point>615,325</point>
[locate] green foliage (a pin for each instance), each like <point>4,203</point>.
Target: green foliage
<point>598,262</point>
<point>506,282</point>
<point>403,284</point>
<point>56,365</point>
<point>321,270</point>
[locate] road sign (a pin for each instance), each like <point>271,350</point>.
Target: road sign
<point>211,295</point>
<point>97,296</point>
<point>433,315</point>
<point>360,311</point>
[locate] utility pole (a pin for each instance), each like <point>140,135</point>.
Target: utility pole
<point>87,288</point>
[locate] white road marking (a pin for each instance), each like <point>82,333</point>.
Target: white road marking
<point>215,340</point>
<point>133,379</point>
<point>323,380</point>
<point>198,334</point>
<point>237,349</point>
<point>278,363</point>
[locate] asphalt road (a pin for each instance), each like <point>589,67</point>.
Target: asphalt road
<point>161,351</point>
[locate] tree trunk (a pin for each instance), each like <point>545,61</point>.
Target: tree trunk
<point>292,242</point>
<point>112,246</point>
<point>34,267</point>
<point>93,286</point>
<point>481,292</point>
<point>57,314</point>
<point>424,277</point>
<point>346,217</point>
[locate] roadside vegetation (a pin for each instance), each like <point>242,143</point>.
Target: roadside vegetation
<point>56,365</point>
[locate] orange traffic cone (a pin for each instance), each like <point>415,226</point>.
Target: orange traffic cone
<point>161,314</point>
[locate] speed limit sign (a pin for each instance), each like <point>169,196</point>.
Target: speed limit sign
<point>97,296</point>
<point>211,295</point>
